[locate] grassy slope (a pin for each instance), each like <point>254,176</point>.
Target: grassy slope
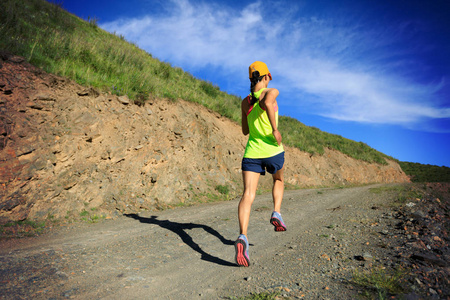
<point>426,173</point>
<point>61,43</point>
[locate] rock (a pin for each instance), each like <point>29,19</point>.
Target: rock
<point>89,92</point>
<point>412,296</point>
<point>35,105</point>
<point>325,256</point>
<point>124,100</point>
<point>429,258</point>
<point>45,97</point>
<point>437,239</point>
<point>419,214</point>
<point>367,257</point>
<point>12,201</point>
<point>62,275</point>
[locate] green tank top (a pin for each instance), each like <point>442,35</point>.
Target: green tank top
<point>261,142</point>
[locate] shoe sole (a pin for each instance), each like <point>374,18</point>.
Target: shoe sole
<point>241,258</point>
<point>279,226</point>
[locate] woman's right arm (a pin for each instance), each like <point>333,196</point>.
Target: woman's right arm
<point>244,110</point>
<point>269,103</point>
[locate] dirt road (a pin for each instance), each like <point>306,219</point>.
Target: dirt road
<point>188,253</point>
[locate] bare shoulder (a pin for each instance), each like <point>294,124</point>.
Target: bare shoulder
<point>270,94</point>
<point>271,91</point>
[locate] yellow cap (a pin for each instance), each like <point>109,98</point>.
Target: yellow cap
<point>260,67</point>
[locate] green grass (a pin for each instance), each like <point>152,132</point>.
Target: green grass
<point>259,296</point>
<point>315,141</point>
<point>403,193</point>
<point>379,283</point>
<point>61,43</point>
<point>220,193</point>
<point>223,189</point>
<point>91,217</point>
<point>21,229</point>
<point>425,173</point>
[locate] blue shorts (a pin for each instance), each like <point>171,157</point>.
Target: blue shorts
<point>260,165</point>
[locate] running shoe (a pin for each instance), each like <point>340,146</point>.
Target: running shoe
<point>241,246</point>
<point>277,221</point>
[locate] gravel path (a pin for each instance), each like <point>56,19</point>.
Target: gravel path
<point>188,253</point>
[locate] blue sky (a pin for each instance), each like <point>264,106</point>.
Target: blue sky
<point>371,71</point>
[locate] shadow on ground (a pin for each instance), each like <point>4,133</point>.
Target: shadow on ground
<point>180,229</point>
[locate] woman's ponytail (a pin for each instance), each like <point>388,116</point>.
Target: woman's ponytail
<point>253,81</point>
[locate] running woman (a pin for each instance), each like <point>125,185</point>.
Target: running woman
<point>264,151</point>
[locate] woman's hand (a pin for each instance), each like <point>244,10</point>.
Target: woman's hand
<point>277,136</point>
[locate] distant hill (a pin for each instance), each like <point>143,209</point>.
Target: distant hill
<point>426,173</point>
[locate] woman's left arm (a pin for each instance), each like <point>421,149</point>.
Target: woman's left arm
<point>244,109</point>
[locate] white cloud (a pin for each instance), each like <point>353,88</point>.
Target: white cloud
<point>321,58</point>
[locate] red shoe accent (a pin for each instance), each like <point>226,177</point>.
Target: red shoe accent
<point>278,226</point>
<point>241,258</point>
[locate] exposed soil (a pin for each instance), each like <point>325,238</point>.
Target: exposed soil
<point>67,152</point>
<point>187,253</point>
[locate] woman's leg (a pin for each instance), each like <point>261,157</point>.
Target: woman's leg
<point>278,189</point>
<point>250,185</point>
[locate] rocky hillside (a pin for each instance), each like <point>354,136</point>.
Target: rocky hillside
<point>67,151</point>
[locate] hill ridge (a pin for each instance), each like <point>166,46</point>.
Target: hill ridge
<point>61,43</point>
<point>71,152</point>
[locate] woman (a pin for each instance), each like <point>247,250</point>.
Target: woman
<point>264,151</point>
